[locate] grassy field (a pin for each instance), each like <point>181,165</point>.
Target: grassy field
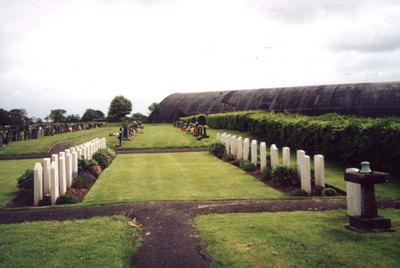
<point>175,176</point>
<point>95,242</point>
<point>297,239</point>
<point>43,145</point>
<point>10,170</point>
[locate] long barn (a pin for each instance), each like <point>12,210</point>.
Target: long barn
<point>366,99</point>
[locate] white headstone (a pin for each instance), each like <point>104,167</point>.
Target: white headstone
<point>74,163</point>
<point>218,137</point>
<point>46,176</point>
<point>254,152</point>
<point>286,156</point>
<point>263,156</point>
<point>54,158</point>
<point>306,174</point>
<point>299,160</point>
<point>54,182</point>
<point>353,196</point>
<point>68,169</point>
<point>61,154</point>
<point>61,175</point>
<point>239,148</point>
<point>319,169</point>
<point>233,145</point>
<point>274,156</point>
<point>228,143</point>
<point>37,183</point>
<point>246,144</point>
<point>67,151</point>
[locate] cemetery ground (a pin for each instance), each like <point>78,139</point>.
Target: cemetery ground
<point>170,232</point>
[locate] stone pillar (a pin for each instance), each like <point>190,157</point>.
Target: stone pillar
<point>62,175</point>
<point>254,152</point>
<point>286,156</point>
<point>319,168</point>
<point>218,137</point>
<point>54,158</point>
<point>353,196</point>
<point>37,184</point>
<point>54,182</point>
<point>61,154</point>
<point>233,145</point>
<point>239,148</point>
<point>68,170</point>
<point>274,156</point>
<point>306,174</point>
<point>263,155</point>
<point>299,159</point>
<point>246,149</point>
<point>46,176</point>
<point>74,163</point>
<point>67,151</point>
<point>228,143</point>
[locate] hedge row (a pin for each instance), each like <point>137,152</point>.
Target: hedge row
<point>346,139</point>
<point>200,118</point>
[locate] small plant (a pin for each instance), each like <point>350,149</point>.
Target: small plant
<point>228,157</point>
<point>104,157</point>
<point>285,175</point>
<point>89,165</point>
<point>246,165</point>
<point>266,173</point>
<point>217,149</point>
<point>329,192</point>
<point>300,192</point>
<point>25,182</point>
<point>83,180</point>
<point>66,199</point>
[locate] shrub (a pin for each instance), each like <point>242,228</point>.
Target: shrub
<point>89,165</point>
<point>266,173</point>
<point>66,199</point>
<point>25,182</point>
<point>285,175</point>
<point>329,192</point>
<point>83,180</point>
<point>217,149</point>
<point>201,119</point>
<point>228,157</point>
<point>246,165</point>
<point>300,192</point>
<point>104,157</point>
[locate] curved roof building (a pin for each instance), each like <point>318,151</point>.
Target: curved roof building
<point>366,99</point>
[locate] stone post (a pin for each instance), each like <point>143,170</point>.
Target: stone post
<point>46,176</point>
<point>67,151</point>
<point>263,156</point>
<point>74,164</point>
<point>319,168</point>
<point>239,148</point>
<point>246,149</point>
<point>54,182</point>
<point>37,183</point>
<point>233,145</point>
<point>306,174</point>
<point>254,152</point>
<point>286,156</point>
<point>353,195</point>
<point>274,156</point>
<point>228,143</point>
<point>68,169</point>
<point>299,159</point>
<point>62,175</point>
<point>61,154</point>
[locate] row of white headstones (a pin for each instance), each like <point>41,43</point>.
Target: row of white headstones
<point>240,149</point>
<point>54,175</point>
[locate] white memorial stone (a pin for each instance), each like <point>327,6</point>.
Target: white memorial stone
<point>286,156</point>
<point>218,137</point>
<point>263,156</point>
<point>46,176</point>
<point>274,156</point>
<point>306,174</point>
<point>233,145</point>
<point>319,169</point>
<point>246,144</point>
<point>54,182</point>
<point>239,148</point>
<point>299,159</point>
<point>37,183</point>
<point>67,151</point>
<point>68,170</point>
<point>61,154</point>
<point>254,152</point>
<point>61,175</point>
<point>353,196</point>
<point>74,163</point>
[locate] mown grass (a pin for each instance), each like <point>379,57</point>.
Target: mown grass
<point>296,239</point>
<point>10,170</point>
<point>44,144</point>
<point>175,176</point>
<point>95,242</point>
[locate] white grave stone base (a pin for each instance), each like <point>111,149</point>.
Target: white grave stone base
<point>246,144</point>
<point>319,168</point>
<point>37,183</point>
<point>353,196</point>
<point>254,152</point>
<point>239,148</point>
<point>306,174</point>
<point>274,156</point>
<point>263,156</point>
<point>286,156</point>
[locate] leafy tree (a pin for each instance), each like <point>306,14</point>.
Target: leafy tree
<point>73,118</point>
<point>57,115</point>
<point>4,117</point>
<point>100,115</point>
<point>18,117</point>
<point>139,117</point>
<point>119,108</point>
<point>155,109</point>
<point>91,115</point>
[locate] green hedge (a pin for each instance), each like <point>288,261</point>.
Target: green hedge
<point>200,118</point>
<point>347,139</point>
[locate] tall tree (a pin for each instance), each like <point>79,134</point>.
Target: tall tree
<point>89,115</point>
<point>18,117</point>
<point>119,108</point>
<point>73,118</point>
<point>155,109</point>
<point>57,115</point>
<point>4,117</point>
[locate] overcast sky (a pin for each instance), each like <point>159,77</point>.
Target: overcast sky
<point>79,54</point>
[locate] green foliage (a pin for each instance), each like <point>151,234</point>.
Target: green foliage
<point>92,115</point>
<point>66,199</point>
<point>228,157</point>
<point>57,115</point>
<point>119,108</point>
<point>217,149</point>
<point>329,192</point>
<point>285,175</point>
<point>89,165</point>
<point>266,173</point>
<point>155,109</point>
<point>83,180</point>
<point>104,157</point>
<point>300,192</point>
<point>25,182</point>
<point>246,165</point>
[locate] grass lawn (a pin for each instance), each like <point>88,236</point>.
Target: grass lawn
<point>44,144</point>
<point>175,176</point>
<point>10,170</point>
<point>95,242</point>
<point>297,239</point>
